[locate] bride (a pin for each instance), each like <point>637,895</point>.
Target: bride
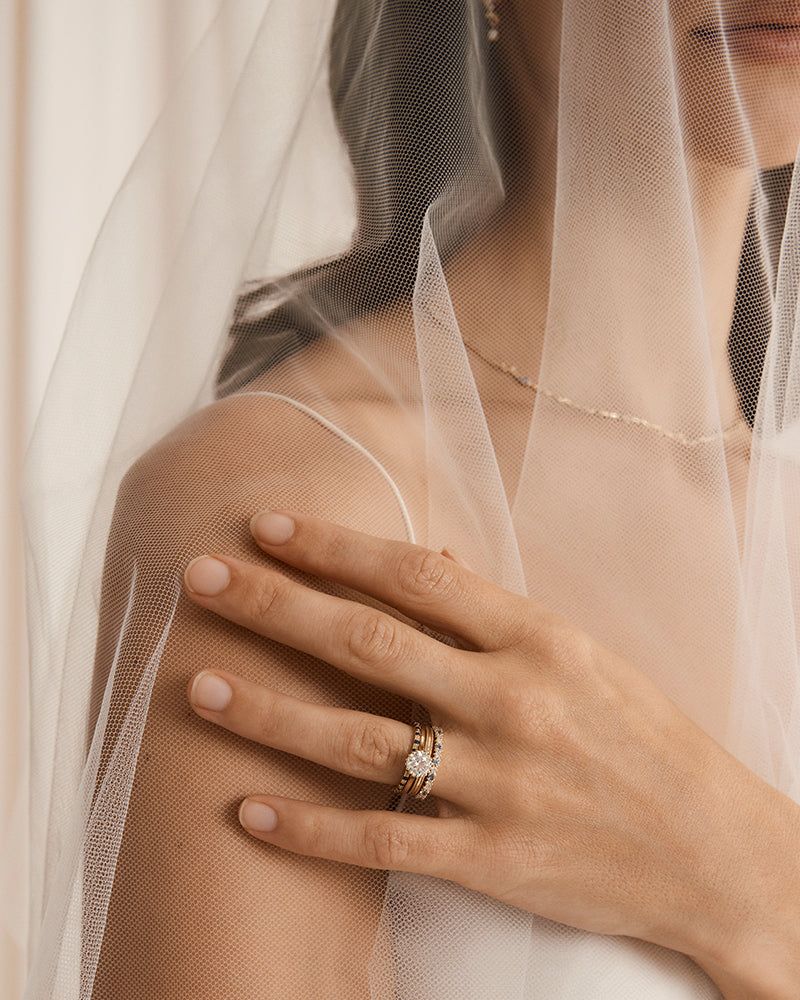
<point>513,275</point>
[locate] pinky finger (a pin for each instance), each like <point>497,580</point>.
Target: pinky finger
<point>386,840</point>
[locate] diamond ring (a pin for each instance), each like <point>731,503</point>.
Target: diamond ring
<point>422,761</point>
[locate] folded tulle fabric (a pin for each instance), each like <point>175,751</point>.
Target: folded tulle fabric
<point>531,298</point>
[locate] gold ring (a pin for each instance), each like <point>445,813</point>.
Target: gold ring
<point>422,761</point>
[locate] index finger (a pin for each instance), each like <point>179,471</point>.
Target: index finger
<point>425,585</point>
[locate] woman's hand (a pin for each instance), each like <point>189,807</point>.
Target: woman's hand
<point>568,785</point>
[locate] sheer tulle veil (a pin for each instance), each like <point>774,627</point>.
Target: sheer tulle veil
<point>305,273</point>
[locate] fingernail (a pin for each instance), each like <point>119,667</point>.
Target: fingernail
<point>207,577</point>
<point>448,553</point>
<point>211,692</point>
<point>256,816</point>
<point>272,529</point>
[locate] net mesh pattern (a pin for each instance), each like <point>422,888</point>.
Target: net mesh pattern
<point>531,300</point>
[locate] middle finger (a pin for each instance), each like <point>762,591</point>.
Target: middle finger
<point>364,641</point>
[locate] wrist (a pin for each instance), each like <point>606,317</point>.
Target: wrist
<point>770,973</point>
<point>753,952</point>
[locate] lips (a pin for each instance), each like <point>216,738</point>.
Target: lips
<point>764,42</point>
<point>758,15</point>
<point>762,32</point>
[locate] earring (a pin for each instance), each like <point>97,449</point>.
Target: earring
<point>493,19</point>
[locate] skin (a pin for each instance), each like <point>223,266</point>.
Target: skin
<point>189,915</point>
<point>528,702</point>
<point>728,133</point>
<point>538,710</point>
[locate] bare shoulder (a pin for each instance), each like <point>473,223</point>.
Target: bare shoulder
<point>188,914</point>
<point>259,449</point>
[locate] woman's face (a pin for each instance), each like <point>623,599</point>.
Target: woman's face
<point>737,63</point>
<point>740,76</point>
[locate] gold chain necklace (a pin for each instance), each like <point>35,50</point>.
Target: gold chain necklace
<point>622,418</point>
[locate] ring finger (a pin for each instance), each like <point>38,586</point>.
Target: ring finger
<point>354,743</point>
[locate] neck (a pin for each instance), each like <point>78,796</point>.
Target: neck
<point>500,283</point>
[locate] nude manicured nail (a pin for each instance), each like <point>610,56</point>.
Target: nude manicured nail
<point>210,692</point>
<point>207,577</point>
<point>257,816</point>
<point>272,529</point>
<point>450,554</point>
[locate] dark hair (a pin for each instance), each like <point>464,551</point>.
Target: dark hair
<point>400,171</point>
<point>398,166</point>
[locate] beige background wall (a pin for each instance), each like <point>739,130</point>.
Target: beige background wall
<point>81,81</point>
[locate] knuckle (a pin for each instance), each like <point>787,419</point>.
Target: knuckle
<point>369,749</point>
<point>519,626</point>
<point>578,651</point>
<point>272,715</point>
<point>534,711</point>
<point>561,645</point>
<point>372,637</point>
<point>334,547</point>
<point>571,650</point>
<point>386,845</point>
<point>422,573</point>
<point>315,835</point>
<point>265,712</point>
<point>264,596</point>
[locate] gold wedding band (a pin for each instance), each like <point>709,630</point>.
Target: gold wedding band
<point>422,761</point>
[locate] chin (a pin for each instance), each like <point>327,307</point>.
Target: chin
<point>739,110</point>
<point>770,98</point>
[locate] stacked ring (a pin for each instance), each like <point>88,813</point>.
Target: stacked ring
<point>422,761</point>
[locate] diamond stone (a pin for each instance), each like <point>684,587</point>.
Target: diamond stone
<point>418,763</point>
